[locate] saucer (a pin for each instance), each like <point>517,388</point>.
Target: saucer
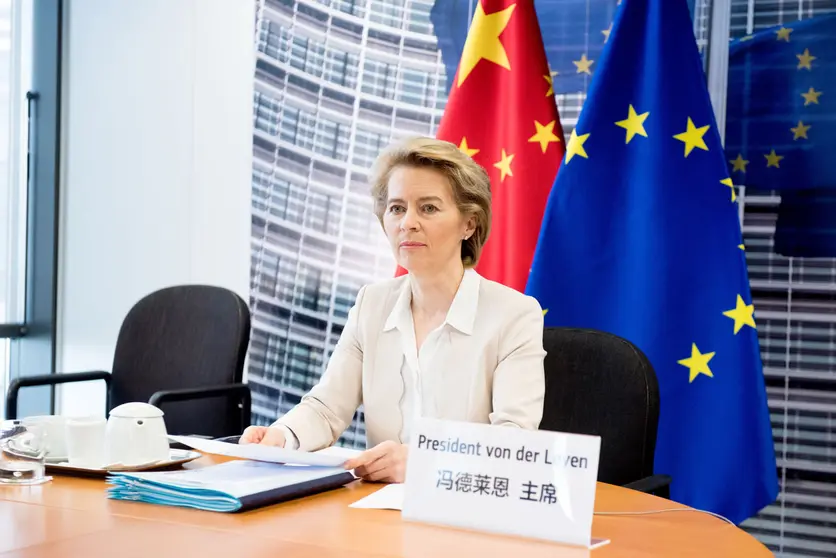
<point>176,457</point>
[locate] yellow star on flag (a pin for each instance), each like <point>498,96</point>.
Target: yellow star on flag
<point>504,166</point>
<point>550,80</point>
<point>805,59</point>
<point>634,124</point>
<point>739,164</point>
<point>583,64</point>
<point>692,137</point>
<point>728,182</point>
<point>467,149</point>
<point>575,146</point>
<point>746,38</point>
<point>812,96</point>
<point>606,33</point>
<point>697,364</point>
<point>544,311</point>
<point>772,159</point>
<point>545,135</point>
<point>741,314</point>
<point>800,131</point>
<point>483,41</point>
<point>741,247</point>
<point>783,33</point>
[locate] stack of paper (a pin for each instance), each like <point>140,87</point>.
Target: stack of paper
<point>263,475</point>
<point>228,487</point>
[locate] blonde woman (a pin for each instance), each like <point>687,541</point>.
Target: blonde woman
<point>439,342</point>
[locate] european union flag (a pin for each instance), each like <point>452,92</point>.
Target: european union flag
<point>641,238</point>
<point>781,126</point>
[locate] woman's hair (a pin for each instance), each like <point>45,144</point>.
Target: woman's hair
<point>468,180</point>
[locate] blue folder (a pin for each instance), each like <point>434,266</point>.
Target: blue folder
<point>233,486</point>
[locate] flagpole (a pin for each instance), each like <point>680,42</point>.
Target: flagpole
<point>718,61</point>
<point>718,73</point>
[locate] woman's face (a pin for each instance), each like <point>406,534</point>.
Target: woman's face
<point>422,222</point>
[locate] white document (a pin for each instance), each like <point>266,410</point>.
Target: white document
<point>337,451</point>
<point>270,454</point>
<point>390,497</point>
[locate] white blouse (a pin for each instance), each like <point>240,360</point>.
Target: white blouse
<point>483,364</point>
<point>421,369</point>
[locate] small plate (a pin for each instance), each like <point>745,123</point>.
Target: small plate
<point>176,457</point>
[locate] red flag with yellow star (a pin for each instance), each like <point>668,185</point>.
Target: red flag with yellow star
<point>501,111</point>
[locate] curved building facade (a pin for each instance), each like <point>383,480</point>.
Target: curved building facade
<point>335,82</point>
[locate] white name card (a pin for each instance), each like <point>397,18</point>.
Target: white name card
<point>504,480</point>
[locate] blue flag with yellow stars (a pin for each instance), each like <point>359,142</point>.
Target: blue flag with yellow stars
<point>641,238</point>
<point>781,128</point>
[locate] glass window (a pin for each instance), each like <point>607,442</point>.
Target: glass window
<point>323,213</point>
<point>273,40</point>
<point>332,139</point>
<point>418,17</point>
<point>388,13</point>
<point>368,145</point>
<point>360,225</point>
<point>313,288</point>
<point>4,373</point>
<point>266,113</point>
<point>346,295</point>
<point>306,54</point>
<point>15,78</point>
<point>379,78</point>
<point>297,127</point>
<point>341,67</point>
<point>416,87</point>
<point>441,92</point>
<point>353,7</point>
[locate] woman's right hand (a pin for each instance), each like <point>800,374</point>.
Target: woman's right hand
<point>266,435</point>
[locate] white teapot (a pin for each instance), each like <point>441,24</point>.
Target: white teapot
<point>136,435</point>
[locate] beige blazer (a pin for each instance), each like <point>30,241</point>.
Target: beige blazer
<point>495,377</point>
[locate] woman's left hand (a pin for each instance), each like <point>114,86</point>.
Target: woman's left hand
<point>386,462</point>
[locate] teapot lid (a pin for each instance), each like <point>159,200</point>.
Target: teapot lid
<point>136,410</point>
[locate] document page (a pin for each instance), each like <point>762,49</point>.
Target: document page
<point>270,454</point>
<point>390,497</point>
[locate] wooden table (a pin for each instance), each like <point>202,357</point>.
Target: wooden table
<point>71,517</point>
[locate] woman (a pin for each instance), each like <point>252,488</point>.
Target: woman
<point>440,342</point>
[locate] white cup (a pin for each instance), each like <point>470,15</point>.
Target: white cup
<point>86,441</point>
<point>53,426</point>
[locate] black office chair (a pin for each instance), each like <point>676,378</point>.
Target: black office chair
<point>182,349</point>
<point>603,385</point>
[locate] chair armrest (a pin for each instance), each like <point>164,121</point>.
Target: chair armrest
<point>658,485</point>
<point>52,380</point>
<point>241,390</point>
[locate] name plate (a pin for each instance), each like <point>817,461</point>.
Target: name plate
<point>504,480</point>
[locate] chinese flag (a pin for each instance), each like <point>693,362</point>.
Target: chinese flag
<point>501,111</point>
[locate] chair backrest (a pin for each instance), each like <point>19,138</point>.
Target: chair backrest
<point>187,336</point>
<point>601,384</point>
